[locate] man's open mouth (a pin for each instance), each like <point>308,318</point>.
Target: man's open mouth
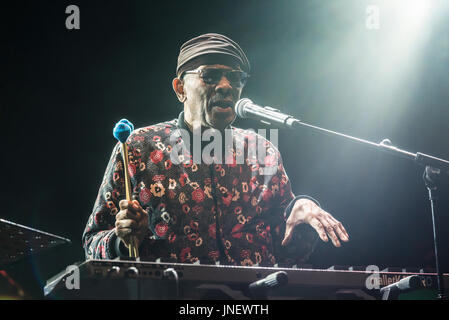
<point>223,104</point>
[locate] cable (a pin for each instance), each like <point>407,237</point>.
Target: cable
<point>172,271</point>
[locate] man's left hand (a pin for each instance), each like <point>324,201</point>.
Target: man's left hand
<point>307,211</point>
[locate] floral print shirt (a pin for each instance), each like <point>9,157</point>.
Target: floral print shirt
<point>207,213</point>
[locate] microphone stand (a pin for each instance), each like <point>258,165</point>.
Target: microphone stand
<point>434,167</point>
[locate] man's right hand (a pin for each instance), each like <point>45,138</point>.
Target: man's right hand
<point>131,221</point>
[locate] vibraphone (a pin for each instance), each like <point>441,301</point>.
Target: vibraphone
<point>122,279</point>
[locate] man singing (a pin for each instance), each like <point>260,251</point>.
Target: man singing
<point>227,211</point>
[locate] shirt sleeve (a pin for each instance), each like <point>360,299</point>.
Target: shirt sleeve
<point>99,238</point>
<point>304,239</point>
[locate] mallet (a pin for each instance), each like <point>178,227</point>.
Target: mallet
<point>121,132</point>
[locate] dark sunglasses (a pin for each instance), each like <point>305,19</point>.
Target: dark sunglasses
<point>213,76</point>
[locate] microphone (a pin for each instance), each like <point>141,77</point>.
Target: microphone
<point>259,288</point>
<point>245,108</point>
<point>392,291</point>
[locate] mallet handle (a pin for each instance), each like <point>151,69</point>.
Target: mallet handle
<point>133,247</point>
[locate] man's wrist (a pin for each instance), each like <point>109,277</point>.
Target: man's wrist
<point>292,203</point>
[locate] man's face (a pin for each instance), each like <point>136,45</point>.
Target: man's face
<point>211,104</point>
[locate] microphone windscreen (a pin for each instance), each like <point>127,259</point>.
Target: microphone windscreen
<point>240,107</point>
<point>412,282</point>
<point>279,278</point>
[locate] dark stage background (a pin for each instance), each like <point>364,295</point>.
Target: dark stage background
<point>63,91</point>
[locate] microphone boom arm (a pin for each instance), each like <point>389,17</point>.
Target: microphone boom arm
<point>434,166</point>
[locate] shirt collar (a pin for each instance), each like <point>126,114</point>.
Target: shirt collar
<point>182,125</point>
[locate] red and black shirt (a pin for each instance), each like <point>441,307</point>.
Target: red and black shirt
<point>228,212</point>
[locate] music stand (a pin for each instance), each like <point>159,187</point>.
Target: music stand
<point>18,241</point>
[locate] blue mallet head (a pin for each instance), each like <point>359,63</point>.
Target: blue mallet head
<point>122,130</point>
<point>125,121</point>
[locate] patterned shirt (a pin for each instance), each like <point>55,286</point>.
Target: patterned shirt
<point>231,213</point>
